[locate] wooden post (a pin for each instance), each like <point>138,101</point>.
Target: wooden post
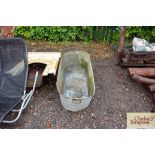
<point>121,45</point>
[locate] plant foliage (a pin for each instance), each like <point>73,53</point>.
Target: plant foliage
<point>83,33</point>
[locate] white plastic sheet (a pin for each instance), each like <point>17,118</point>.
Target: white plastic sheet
<point>142,45</point>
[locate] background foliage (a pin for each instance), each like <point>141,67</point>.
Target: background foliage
<point>55,33</point>
<point>145,32</point>
<point>83,33</point>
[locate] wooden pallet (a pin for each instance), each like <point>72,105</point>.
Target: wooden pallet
<point>129,58</point>
<point>138,59</point>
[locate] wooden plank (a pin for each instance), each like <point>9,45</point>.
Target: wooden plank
<point>146,72</point>
<point>142,53</point>
<point>141,58</point>
<point>137,65</point>
<point>143,80</point>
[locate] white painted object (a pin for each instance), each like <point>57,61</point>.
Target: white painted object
<point>50,59</point>
<point>142,45</point>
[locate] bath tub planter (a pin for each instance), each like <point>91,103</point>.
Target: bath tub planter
<point>75,81</point>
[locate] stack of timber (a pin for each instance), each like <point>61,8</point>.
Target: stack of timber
<point>138,59</point>
<point>141,64</point>
<point>126,57</point>
<point>145,76</point>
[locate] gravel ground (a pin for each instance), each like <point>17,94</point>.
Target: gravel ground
<point>115,95</point>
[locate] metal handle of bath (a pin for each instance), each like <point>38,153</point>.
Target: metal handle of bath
<point>76,101</point>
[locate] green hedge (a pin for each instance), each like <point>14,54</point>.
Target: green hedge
<point>82,33</point>
<point>63,33</point>
<point>55,33</point>
<point>145,32</point>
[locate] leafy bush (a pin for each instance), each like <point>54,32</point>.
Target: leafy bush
<point>145,32</point>
<point>55,33</point>
<point>83,33</point>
